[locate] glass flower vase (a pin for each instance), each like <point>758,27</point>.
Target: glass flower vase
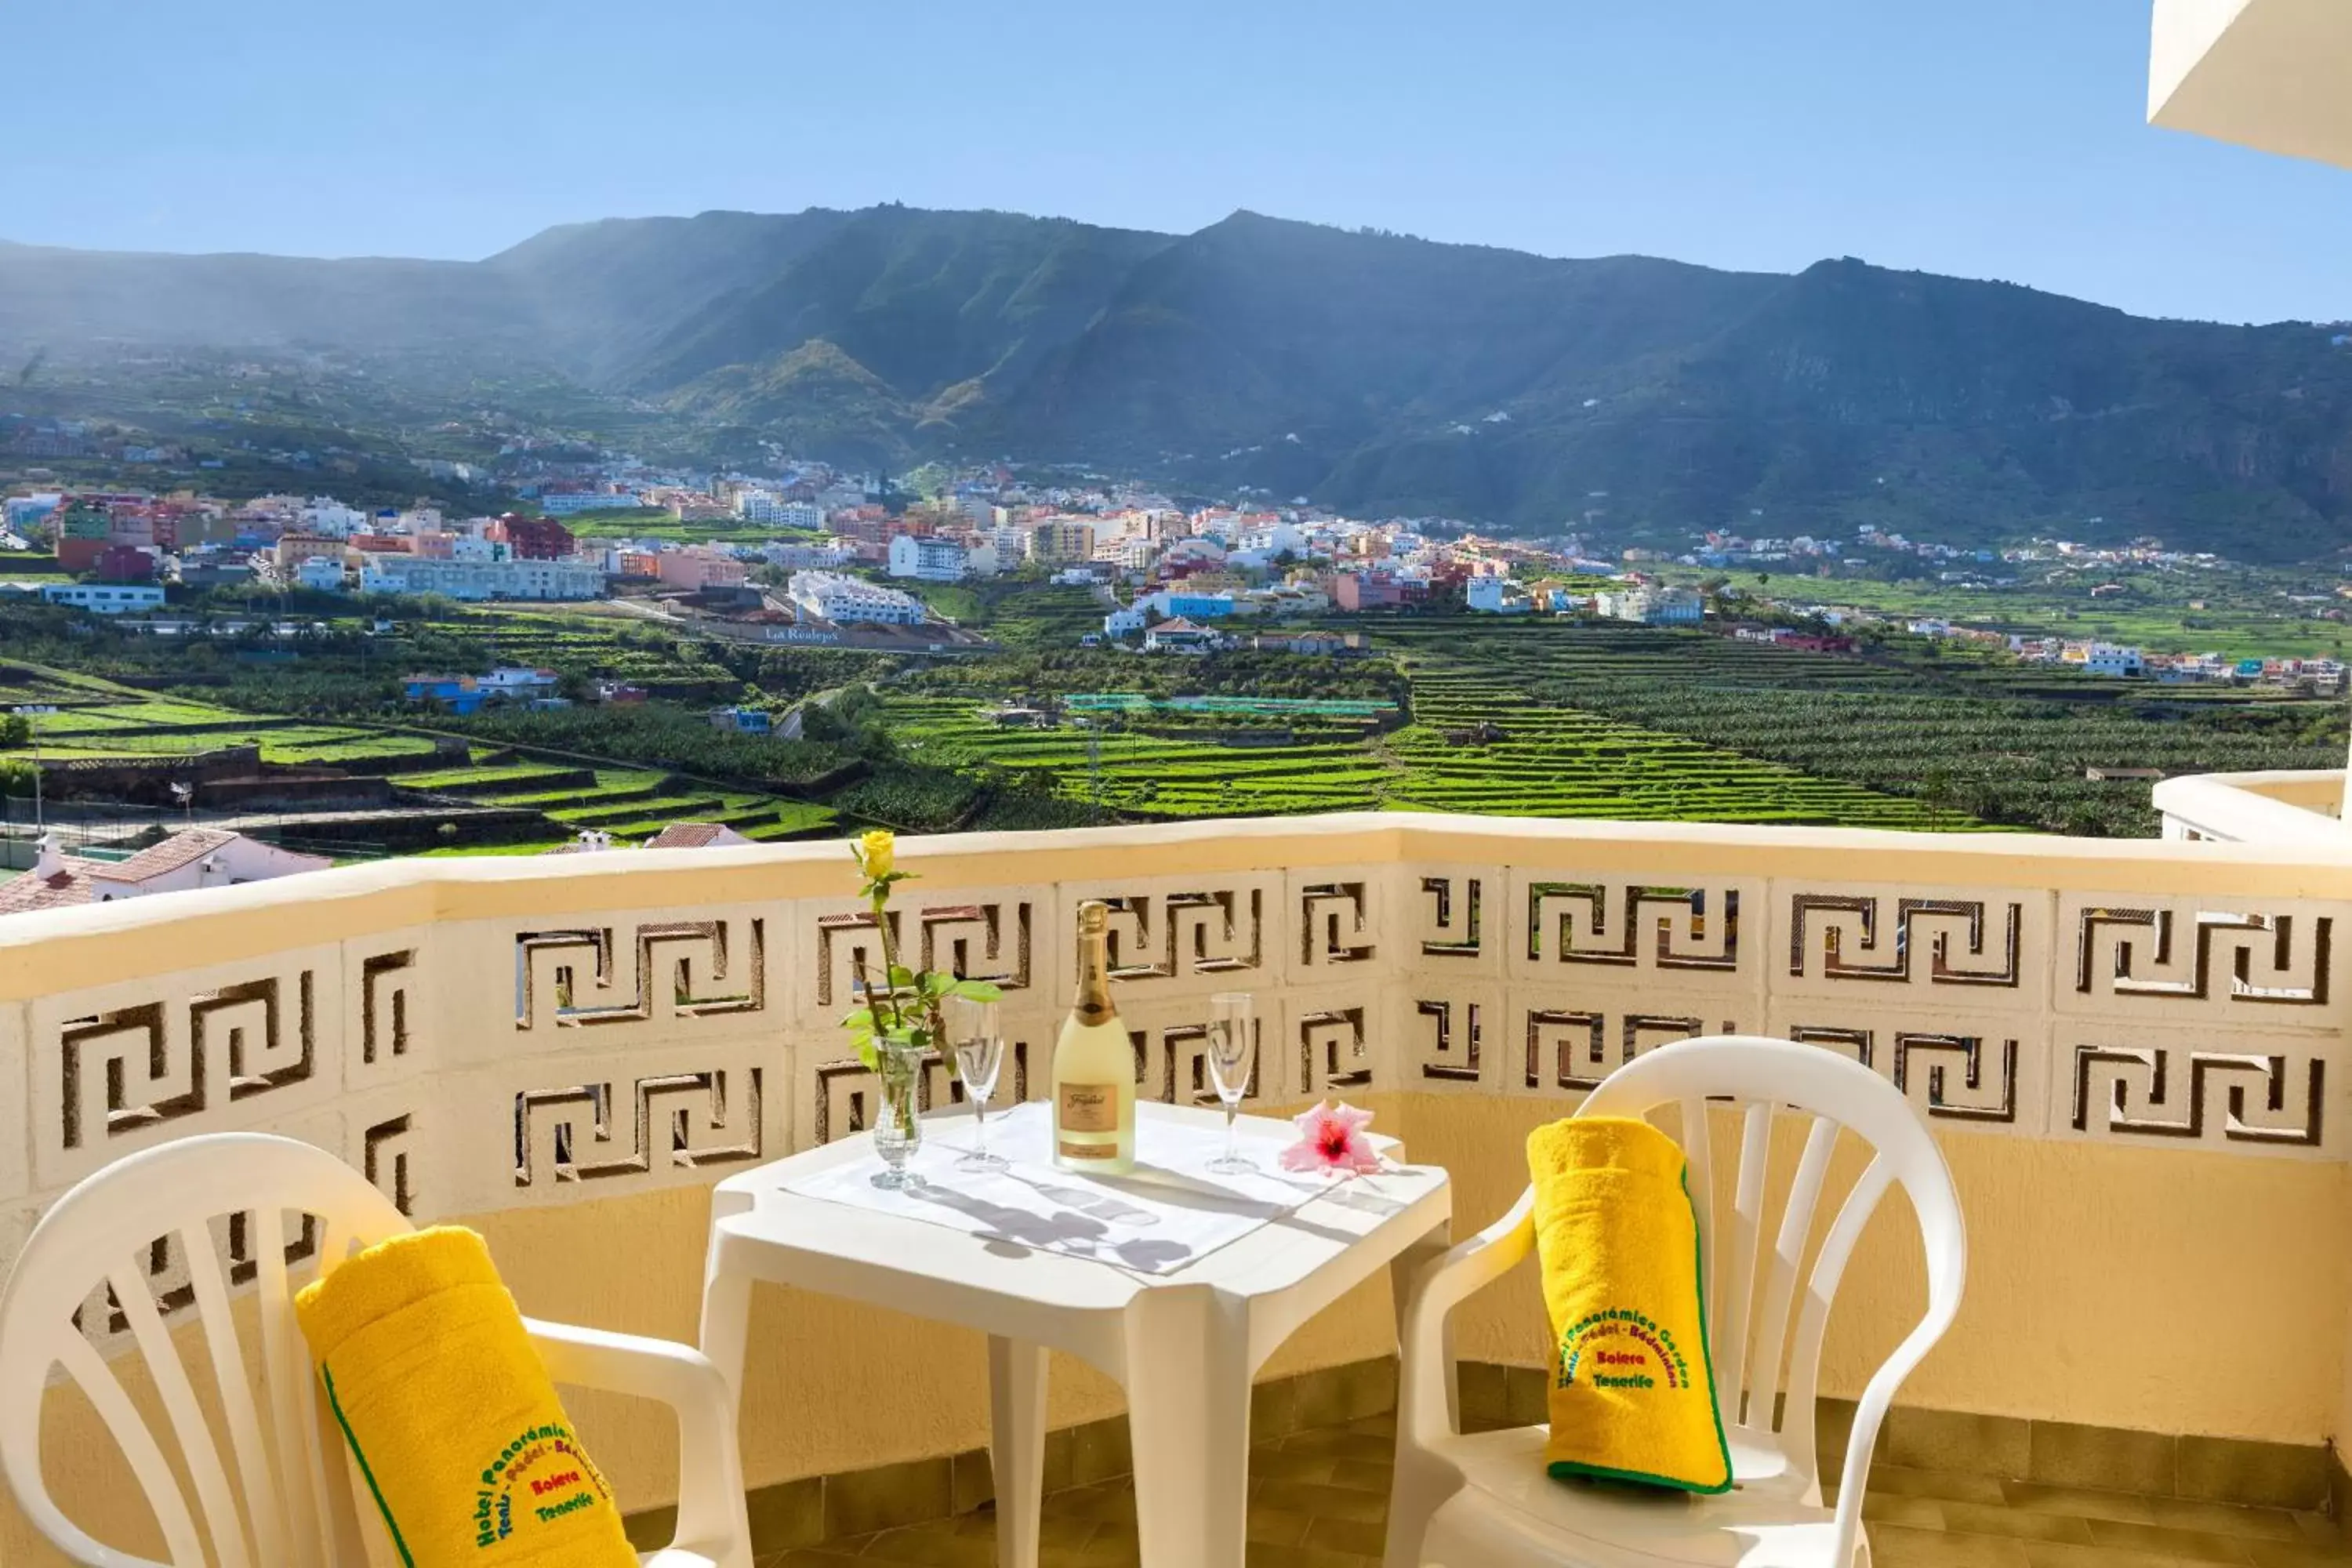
<point>898,1131</point>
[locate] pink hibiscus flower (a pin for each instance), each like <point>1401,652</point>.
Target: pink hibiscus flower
<point>1331,1140</point>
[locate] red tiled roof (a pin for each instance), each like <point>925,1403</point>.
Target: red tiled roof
<point>690,835</point>
<point>31,890</point>
<point>188,845</point>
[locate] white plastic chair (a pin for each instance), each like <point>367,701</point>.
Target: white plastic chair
<point>281,1495</point>
<point>1485,1500</point>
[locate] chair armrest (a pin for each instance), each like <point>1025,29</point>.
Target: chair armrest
<point>710,1510</point>
<point>1444,1284</point>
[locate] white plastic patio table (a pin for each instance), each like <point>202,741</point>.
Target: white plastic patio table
<point>1185,1344</point>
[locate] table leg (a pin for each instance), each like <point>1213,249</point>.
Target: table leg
<point>1016,1445</point>
<point>1402,1270</point>
<point>726,1320</point>
<point>1188,1404</point>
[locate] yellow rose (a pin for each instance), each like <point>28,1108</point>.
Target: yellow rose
<point>875,851</point>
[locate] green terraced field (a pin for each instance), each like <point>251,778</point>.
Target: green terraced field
<point>471,779</point>
<point>1548,762</point>
<point>1967,738</point>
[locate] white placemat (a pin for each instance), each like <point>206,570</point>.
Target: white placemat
<point>1170,1213</point>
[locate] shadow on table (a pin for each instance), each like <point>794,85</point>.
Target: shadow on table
<point>1072,1231</point>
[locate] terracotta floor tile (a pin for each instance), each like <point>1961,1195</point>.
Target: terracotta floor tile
<point>1304,1557</point>
<point>1288,1465</point>
<point>2283,1554</point>
<point>2062,1554</point>
<point>920,1547</point>
<point>2182,1545</point>
<point>1347,1535</point>
<point>1318,1499</point>
<point>1339,1442</point>
<point>2318,1530</point>
<point>2224,1518</point>
<point>1903,1482</point>
<point>1323,1502</point>
<point>1358,1475</point>
<point>1893,1508</point>
<point>2081,1502</point>
<point>1899,1546</point>
<point>1276,1526</point>
<point>1977,1519</point>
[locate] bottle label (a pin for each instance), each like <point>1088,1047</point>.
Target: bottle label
<point>1089,1107</point>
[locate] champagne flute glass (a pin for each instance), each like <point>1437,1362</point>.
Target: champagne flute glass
<point>1233,1056</point>
<point>979,1045</point>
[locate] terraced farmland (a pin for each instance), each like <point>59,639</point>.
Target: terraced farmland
<point>630,803</point>
<point>1950,738</point>
<point>1545,762</point>
<point>1508,756</point>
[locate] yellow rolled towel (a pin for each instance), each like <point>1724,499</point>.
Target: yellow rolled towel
<point>452,1419</point>
<point>1632,1393</point>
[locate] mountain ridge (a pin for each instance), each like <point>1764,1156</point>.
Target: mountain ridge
<point>1368,370</point>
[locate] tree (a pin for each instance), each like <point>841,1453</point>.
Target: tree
<point>1935,794</point>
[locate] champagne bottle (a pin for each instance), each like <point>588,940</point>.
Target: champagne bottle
<point>1094,1064</point>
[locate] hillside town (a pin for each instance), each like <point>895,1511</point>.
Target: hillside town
<point>815,556</point>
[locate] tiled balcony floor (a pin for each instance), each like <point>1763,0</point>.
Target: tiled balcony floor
<point>1319,1499</point>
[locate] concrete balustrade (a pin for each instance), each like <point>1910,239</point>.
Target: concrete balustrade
<point>2134,1056</point>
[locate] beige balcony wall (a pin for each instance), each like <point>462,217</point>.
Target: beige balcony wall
<point>2133,1054</point>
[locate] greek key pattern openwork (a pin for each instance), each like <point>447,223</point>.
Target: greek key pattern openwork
<point>2218,1097</point>
<point>140,1067</point>
<point>387,1151</point>
<point>385,1006</point>
<point>685,969</point>
<point>1671,929</point>
<point>1334,925</point>
<point>2259,959</point>
<point>1456,909</point>
<point>1573,1048</point>
<point>1335,1052</point>
<point>1949,1077</point>
<point>592,1131</point>
<point>1221,933</point>
<point>1964,941</point>
<point>1453,1041</point>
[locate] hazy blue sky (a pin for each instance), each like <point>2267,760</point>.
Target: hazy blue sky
<point>1999,138</point>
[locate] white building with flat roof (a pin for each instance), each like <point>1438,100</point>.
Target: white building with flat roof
<point>844,600</point>
<point>103,598</point>
<point>482,580</point>
<point>928,560</point>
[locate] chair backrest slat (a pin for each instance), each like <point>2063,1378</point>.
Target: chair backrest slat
<point>271,1483</point>
<point>254,1466</point>
<point>140,1451</point>
<point>286,1360</point>
<point>197,1449</point>
<point>1821,1289</point>
<point>1735,1260</point>
<point>1781,1283</point>
<point>1699,1178</point>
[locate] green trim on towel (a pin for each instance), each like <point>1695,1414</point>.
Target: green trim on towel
<point>1706,1355</point>
<point>368,1475</point>
<point>1563,1469</point>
